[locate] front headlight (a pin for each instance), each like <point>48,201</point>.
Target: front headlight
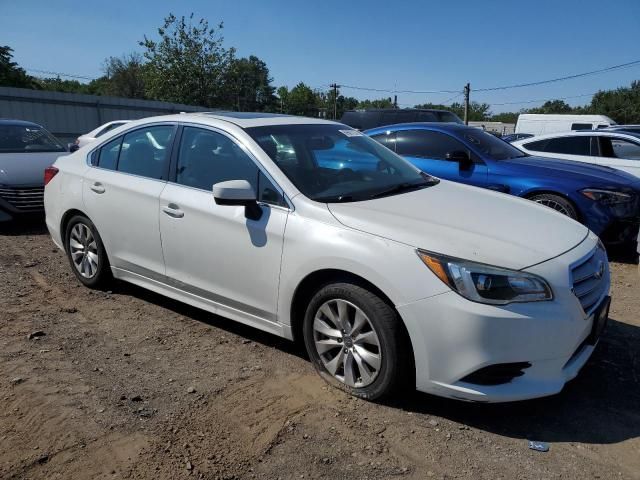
<point>606,197</point>
<point>484,283</point>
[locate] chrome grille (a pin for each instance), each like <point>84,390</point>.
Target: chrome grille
<point>24,198</point>
<point>590,278</point>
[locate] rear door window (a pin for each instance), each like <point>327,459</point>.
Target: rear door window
<point>426,144</point>
<point>107,156</point>
<point>563,145</point>
<point>145,151</point>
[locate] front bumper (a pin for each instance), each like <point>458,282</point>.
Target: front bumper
<point>453,337</point>
<point>21,201</point>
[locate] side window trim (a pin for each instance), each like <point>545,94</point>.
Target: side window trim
<point>174,162</point>
<point>121,137</point>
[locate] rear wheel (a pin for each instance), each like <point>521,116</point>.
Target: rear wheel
<point>557,203</point>
<point>355,341</point>
<point>86,252</point>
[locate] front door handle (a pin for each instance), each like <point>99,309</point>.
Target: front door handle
<point>97,187</point>
<point>173,211</point>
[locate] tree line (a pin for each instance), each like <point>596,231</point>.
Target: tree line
<point>187,62</point>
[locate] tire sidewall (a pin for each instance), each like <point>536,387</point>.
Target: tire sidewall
<point>103,272</point>
<point>388,373</point>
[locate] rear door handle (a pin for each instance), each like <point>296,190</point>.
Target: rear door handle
<point>173,211</point>
<point>97,187</point>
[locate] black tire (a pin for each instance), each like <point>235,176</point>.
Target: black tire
<point>395,366</point>
<point>102,275</point>
<point>557,203</point>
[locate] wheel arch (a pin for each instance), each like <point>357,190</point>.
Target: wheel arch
<point>529,194</point>
<point>315,280</point>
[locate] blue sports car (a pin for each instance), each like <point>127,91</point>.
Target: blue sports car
<point>606,200</point>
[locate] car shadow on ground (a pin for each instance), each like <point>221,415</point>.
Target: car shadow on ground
<point>601,405</point>
<point>32,225</point>
<point>623,254</point>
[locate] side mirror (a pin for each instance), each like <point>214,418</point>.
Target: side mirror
<point>459,156</point>
<point>238,193</point>
<point>73,148</point>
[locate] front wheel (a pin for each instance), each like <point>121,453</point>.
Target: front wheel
<point>355,341</point>
<point>557,203</point>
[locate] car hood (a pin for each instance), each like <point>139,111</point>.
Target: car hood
<point>466,222</point>
<point>26,168</point>
<point>563,168</point>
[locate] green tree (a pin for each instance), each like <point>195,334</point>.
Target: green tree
<point>621,104</point>
<point>341,104</point>
<point>188,64</point>
<point>248,86</point>
<point>506,117</point>
<point>124,76</point>
<point>300,100</point>
<point>11,75</point>
<point>477,111</point>
<point>56,84</point>
<point>379,103</point>
<point>552,106</point>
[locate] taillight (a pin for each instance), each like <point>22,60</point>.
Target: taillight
<point>49,173</point>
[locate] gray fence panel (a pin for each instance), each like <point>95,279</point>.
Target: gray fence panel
<point>69,115</point>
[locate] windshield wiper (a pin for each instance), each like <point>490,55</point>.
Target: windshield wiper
<point>405,187</point>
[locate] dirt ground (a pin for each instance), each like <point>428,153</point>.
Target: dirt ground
<point>128,384</point>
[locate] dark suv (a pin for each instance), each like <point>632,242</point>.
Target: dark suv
<point>365,119</point>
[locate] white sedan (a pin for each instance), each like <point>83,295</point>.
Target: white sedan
<point>616,149</point>
<point>312,231</point>
<point>87,138</point>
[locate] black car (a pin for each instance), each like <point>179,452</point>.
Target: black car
<point>366,119</point>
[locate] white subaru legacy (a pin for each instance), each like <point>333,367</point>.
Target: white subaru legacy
<point>312,231</point>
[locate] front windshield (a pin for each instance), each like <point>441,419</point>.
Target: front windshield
<point>492,146</point>
<point>334,163</point>
<point>27,139</point>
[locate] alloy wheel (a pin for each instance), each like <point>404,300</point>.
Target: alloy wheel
<point>347,343</point>
<point>84,250</point>
<point>547,202</point>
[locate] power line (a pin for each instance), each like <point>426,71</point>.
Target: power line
<point>560,79</point>
<point>383,90</point>
<point>544,99</point>
<point>59,74</point>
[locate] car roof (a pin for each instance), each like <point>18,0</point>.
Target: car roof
<point>365,110</point>
<point>581,133</point>
<point>240,119</point>
<point>440,126</point>
<point>22,123</point>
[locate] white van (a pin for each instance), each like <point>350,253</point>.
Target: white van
<point>539,124</point>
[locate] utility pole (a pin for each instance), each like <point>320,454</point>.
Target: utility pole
<point>395,101</point>
<point>467,90</point>
<point>335,87</point>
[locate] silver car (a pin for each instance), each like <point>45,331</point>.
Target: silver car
<point>26,149</point>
